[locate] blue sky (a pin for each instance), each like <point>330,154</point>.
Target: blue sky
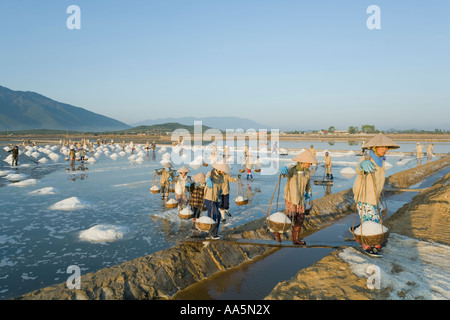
<point>284,63</point>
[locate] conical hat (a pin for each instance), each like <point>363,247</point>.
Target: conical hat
<point>221,166</point>
<point>380,140</point>
<point>199,178</point>
<point>306,157</point>
<point>183,169</point>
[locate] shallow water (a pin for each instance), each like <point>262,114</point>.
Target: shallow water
<point>38,244</point>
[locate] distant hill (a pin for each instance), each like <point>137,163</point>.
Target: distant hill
<point>221,123</point>
<point>20,110</point>
<point>161,129</point>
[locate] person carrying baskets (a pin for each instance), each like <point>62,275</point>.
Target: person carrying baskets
<point>213,192</point>
<point>167,176</point>
<point>369,182</point>
<point>182,183</point>
<point>197,198</point>
<point>296,192</point>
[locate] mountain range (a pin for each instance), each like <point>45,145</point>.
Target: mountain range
<point>25,110</point>
<point>221,123</point>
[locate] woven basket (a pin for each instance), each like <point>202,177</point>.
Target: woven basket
<point>171,205</point>
<point>186,216</point>
<point>205,164</point>
<point>204,226</point>
<point>278,226</point>
<point>257,170</point>
<point>372,241</point>
<point>242,170</point>
<point>242,203</point>
<point>155,191</point>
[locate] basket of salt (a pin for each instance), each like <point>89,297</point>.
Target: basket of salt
<point>240,201</point>
<point>279,222</point>
<point>172,203</point>
<point>205,224</point>
<point>257,170</point>
<point>371,233</point>
<point>155,189</point>
<point>186,213</point>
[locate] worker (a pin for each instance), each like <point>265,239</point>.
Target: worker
<point>213,191</point>
<point>430,151</point>
<point>369,182</point>
<point>419,153</point>
<point>166,174</point>
<point>328,166</point>
<point>296,193</point>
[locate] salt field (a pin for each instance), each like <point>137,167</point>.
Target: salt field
<point>101,213</point>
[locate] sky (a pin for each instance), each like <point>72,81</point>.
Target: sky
<point>283,63</point>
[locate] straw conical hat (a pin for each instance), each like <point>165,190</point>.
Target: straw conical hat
<point>199,178</point>
<point>380,140</point>
<point>183,169</point>
<point>221,166</point>
<point>306,157</point>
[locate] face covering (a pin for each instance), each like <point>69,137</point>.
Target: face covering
<point>378,160</point>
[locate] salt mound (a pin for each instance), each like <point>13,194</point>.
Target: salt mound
<point>5,172</point>
<point>239,199</point>
<point>101,233</point>
<point>370,228</point>
<point>113,156</point>
<point>205,220</point>
<point>172,201</point>
<point>47,190</point>
<point>186,211</point>
<point>155,188</point>
<point>348,170</point>
<point>68,204</point>
<point>24,183</point>
<point>13,177</point>
<point>279,217</point>
<point>42,160</point>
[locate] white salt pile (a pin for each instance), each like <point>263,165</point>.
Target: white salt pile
<point>14,177</point>
<point>68,204</point>
<point>279,217</point>
<point>239,199</point>
<point>186,211</point>
<point>43,191</point>
<point>155,188</point>
<point>370,228</point>
<point>24,183</point>
<point>101,233</point>
<point>205,220</point>
<point>348,170</point>
<point>172,201</point>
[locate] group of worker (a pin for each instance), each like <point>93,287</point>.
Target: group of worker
<point>210,191</point>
